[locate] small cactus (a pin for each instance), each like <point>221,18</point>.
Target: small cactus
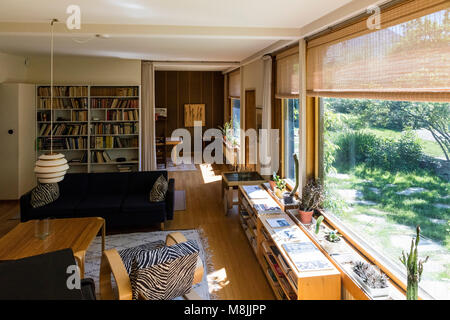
<point>318,222</point>
<point>414,268</point>
<point>296,175</point>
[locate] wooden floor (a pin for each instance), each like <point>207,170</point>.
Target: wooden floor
<point>238,274</point>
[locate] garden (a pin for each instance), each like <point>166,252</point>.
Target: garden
<point>386,170</point>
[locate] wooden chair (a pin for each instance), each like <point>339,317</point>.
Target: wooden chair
<point>112,263</point>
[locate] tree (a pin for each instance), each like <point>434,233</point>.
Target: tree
<point>435,117</point>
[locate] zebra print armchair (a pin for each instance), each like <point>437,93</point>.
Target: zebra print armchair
<point>112,263</point>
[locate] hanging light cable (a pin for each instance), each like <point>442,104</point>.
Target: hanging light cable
<point>51,167</point>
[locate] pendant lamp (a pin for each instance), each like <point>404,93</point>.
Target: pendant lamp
<point>51,167</point>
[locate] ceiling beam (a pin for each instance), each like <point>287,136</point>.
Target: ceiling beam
<point>113,30</point>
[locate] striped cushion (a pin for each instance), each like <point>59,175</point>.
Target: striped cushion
<point>128,255</point>
<point>164,273</point>
<point>158,192</point>
<point>44,194</point>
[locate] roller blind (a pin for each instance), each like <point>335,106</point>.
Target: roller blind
<point>234,88</point>
<point>408,58</point>
<point>288,75</point>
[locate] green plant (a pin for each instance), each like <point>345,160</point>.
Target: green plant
<point>280,183</point>
<point>318,222</point>
<point>370,275</point>
<point>333,236</point>
<point>312,196</point>
<point>414,267</point>
<point>227,129</point>
<point>296,175</point>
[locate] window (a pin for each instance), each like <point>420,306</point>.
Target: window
<point>291,135</point>
<point>385,169</point>
<point>236,118</point>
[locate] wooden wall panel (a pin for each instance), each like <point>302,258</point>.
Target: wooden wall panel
<point>174,89</point>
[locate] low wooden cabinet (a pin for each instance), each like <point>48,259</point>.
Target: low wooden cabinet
<point>287,282</point>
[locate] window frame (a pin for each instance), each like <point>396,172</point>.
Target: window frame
<point>284,106</point>
<point>232,118</point>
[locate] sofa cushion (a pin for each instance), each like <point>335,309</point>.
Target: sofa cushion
<point>108,183</point>
<point>143,181</point>
<point>99,205</point>
<point>74,183</point>
<point>63,207</point>
<point>44,194</point>
<point>159,190</point>
<point>140,203</point>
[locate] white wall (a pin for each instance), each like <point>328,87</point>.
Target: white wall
<point>253,79</point>
<point>12,68</point>
<point>84,70</point>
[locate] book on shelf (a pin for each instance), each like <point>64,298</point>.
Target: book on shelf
<point>114,91</point>
<point>306,256</point>
<point>272,275</point>
<point>79,115</point>
<point>63,103</point>
<point>82,159</point>
<point>291,275</point>
<point>255,192</point>
<point>283,264</point>
<point>123,128</point>
<point>275,265</point>
<point>278,222</point>
<point>113,103</point>
<point>63,129</point>
<point>63,91</point>
<point>124,168</point>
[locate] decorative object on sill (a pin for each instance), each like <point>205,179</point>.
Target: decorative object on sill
<point>296,175</point>
<point>312,198</point>
<point>414,268</point>
<point>280,186</point>
<point>371,279</point>
<point>333,236</point>
<point>318,222</point>
<point>51,167</point>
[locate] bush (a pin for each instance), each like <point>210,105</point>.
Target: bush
<point>356,147</point>
<point>353,148</point>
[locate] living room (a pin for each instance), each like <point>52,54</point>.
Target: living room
<point>224,151</point>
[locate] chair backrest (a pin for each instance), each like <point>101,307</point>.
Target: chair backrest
<point>112,263</point>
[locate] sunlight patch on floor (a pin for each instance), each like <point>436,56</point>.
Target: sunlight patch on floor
<point>208,174</point>
<point>217,280</point>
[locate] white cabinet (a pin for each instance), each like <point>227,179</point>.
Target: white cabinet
<point>17,139</point>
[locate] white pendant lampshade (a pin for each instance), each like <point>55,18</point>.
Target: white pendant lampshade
<point>51,168</point>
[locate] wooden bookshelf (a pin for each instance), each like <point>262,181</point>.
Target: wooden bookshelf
<point>287,282</point>
<point>84,114</point>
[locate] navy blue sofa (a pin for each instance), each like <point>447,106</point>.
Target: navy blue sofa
<point>121,198</point>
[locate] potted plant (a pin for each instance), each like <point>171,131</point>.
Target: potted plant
<point>414,268</point>
<point>226,130</point>
<point>371,279</point>
<point>318,222</point>
<point>280,186</point>
<point>312,198</point>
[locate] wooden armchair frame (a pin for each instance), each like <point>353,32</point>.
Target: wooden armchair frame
<point>111,263</point>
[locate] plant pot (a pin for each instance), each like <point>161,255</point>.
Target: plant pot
<point>373,292</point>
<point>305,216</point>
<point>279,193</point>
<point>272,185</point>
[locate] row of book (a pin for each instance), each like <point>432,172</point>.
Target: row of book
<point>110,142</point>
<point>100,157</point>
<point>62,143</point>
<point>114,103</point>
<point>62,130</point>
<point>79,115</point>
<point>64,91</point>
<point>125,115</point>
<point>63,103</point>
<point>115,91</point>
<point>82,159</point>
<point>123,128</point>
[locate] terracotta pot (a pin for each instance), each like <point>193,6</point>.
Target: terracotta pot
<point>305,216</point>
<point>272,185</point>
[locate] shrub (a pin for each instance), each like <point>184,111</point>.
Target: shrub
<point>355,147</point>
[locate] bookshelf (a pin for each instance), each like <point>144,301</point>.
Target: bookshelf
<point>269,244</point>
<point>97,127</point>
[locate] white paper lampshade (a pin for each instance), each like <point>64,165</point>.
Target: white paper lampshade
<point>51,168</point>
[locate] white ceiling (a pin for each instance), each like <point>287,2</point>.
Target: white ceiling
<point>186,30</point>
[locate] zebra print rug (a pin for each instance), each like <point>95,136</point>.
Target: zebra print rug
<point>125,241</point>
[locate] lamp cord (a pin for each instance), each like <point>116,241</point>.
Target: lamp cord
<point>51,87</point>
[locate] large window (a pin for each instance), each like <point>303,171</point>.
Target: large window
<point>291,135</point>
<point>386,170</point>
<point>236,118</point>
